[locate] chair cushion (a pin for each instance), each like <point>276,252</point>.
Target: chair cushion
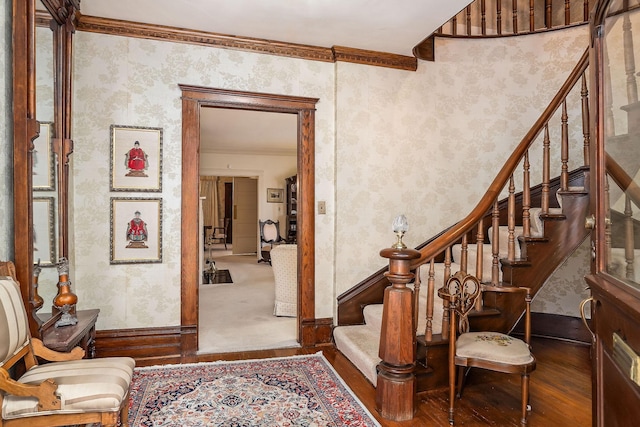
<point>14,329</point>
<point>494,347</point>
<point>87,385</point>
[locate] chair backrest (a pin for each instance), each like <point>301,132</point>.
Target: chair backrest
<point>461,292</point>
<point>14,326</point>
<point>270,231</point>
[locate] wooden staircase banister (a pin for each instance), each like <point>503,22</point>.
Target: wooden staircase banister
<point>493,192</point>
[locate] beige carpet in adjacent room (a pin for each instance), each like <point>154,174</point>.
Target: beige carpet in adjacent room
<point>239,316</point>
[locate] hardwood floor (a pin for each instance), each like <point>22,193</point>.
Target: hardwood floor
<point>560,389</point>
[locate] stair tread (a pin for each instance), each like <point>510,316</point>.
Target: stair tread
<point>359,344</point>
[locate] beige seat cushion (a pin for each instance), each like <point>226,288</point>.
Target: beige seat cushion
<point>493,346</point>
<point>87,385</point>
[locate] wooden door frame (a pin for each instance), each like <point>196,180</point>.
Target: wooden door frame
<point>193,99</point>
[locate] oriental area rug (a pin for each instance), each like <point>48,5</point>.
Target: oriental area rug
<point>292,391</point>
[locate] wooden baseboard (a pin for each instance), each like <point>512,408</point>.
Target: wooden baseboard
<point>149,346</point>
<point>157,346</point>
<point>316,332</point>
<point>557,326</point>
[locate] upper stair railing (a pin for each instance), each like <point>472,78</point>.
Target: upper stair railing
<point>486,18</point>
<point>500,18</point>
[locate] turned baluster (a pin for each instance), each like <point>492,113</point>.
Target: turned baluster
<point>511,221</point>
<point>567,12</point>
<point>545,171</point>
<point>454,25</point>
<point>609,121</point>
<point>584,93</point>
<point>532,23</point>
<point>499,17</point>
<point>445,303</point>
<point>495,244</point>
<point>564,151</point>
<point>479,259</point>
<point>515,16</point>
<point>464,254</point>
<point>629,241</point>
<point>483,18</point>
<point>468,21</point>
<point>548,14</point>
<point>526,197</point>
<point>428,333</point>
<point>396,384</point>
<point>416,297</point>
<point>607,222</point>
<point>585,10</point>
<point>629,60</point>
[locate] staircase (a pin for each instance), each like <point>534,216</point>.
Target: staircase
<point>359,343</point>
<point>518,239</point>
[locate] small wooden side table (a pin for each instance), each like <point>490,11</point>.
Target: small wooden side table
<point>82,334</point>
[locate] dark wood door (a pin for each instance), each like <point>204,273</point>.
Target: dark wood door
<point>228,208</point>
<point>615,207</point>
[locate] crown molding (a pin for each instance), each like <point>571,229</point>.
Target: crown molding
<point>370,57</point>
<point>203,38</point>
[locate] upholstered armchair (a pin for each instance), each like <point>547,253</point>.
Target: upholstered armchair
<point>284,260</point>
<point>69,390</point>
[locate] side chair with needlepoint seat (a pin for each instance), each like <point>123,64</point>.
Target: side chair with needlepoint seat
<point>486,349</point>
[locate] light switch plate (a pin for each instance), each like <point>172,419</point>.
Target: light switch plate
<point>322,207</point>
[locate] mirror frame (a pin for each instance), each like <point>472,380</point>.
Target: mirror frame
<point>26,129</point>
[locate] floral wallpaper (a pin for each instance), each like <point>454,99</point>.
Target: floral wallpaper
<point>135,82</point>
<point>380,135</point>
<point>428,144</point>
<point>6,134</point>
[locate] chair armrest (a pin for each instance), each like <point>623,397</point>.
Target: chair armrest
<point>44,392</point>
<point>55,356</point>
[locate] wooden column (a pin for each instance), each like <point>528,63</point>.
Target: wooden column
<point>395,390</point>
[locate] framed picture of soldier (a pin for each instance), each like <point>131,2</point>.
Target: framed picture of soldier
<point>136,230</point>
<point>136,158</point>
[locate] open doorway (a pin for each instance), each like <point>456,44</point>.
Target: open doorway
<point>194,99</point>
<point>258,150</point>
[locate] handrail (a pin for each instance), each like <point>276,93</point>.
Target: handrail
<point>499,182</point>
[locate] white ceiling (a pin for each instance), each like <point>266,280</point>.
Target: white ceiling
<point>393,26</point>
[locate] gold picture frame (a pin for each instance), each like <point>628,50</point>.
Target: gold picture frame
<point>136,158</point>
<point>275,195</point>
<point>136,230</point>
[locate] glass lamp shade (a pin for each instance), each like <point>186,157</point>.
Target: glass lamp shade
<point>400,226</point>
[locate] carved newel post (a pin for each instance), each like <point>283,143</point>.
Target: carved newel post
<point>396,386</point>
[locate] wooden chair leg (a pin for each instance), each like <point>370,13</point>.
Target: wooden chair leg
<point>525,399</point>
<point>462,375</point>
<point>124,412</point>
<point>452,391</point>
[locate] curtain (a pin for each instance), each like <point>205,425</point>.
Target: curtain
<point>209,189</point>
